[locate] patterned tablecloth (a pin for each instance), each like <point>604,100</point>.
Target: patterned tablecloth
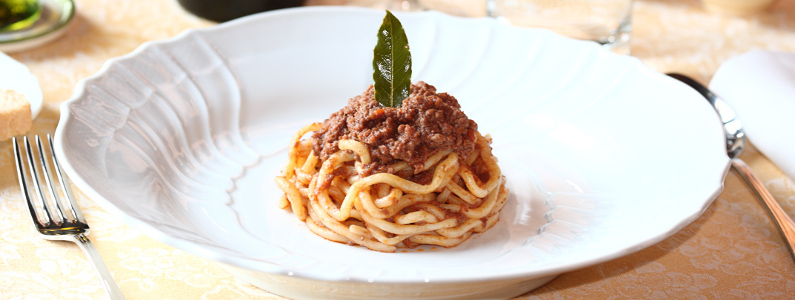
<point>732,251</point>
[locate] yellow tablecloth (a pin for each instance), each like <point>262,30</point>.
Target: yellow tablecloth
<point>732,251</point>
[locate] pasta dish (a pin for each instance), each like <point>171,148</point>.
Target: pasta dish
<point>387,178</point>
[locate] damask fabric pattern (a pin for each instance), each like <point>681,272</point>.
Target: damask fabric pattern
<point>732,251</point>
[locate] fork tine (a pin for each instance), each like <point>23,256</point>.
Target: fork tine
<point>65,187</point>
<point>34,174</point>
<point>48,180</point>
<point>23,174</point>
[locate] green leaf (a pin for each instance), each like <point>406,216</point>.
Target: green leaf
<point>391,63</point>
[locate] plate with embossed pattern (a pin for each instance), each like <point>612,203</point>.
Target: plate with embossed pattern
<point>181,139</point>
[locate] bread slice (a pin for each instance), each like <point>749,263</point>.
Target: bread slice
<point>15,117</point>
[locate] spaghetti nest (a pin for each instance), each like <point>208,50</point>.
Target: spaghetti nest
<point>384,211</point>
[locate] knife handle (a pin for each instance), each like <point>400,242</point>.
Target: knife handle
<point>785,224</point>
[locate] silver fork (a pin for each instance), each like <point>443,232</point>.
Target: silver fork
<point>52,222</point>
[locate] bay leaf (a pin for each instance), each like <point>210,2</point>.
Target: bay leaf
<point>391,63</point>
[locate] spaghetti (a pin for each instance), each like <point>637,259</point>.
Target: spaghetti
<point>348,196</point>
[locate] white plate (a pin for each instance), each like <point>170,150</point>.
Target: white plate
<point>17,77</point>
<point>182,138</point>
<point>758,85</point>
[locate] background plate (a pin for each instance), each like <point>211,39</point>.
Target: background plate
<point>17,77</point>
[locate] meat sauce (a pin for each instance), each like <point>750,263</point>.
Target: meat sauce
<point>423,125</point>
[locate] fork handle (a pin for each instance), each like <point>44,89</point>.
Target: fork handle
<point>785,224</point>
<point>107,280</point>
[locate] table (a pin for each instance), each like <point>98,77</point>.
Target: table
<point>732,251</point>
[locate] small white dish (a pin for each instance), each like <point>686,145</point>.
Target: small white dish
<point>17,77</point>
<point>55,16</point>
<point>181,139</point>
<point>760,87</point>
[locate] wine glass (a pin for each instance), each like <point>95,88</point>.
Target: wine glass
<point>393,5</point>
